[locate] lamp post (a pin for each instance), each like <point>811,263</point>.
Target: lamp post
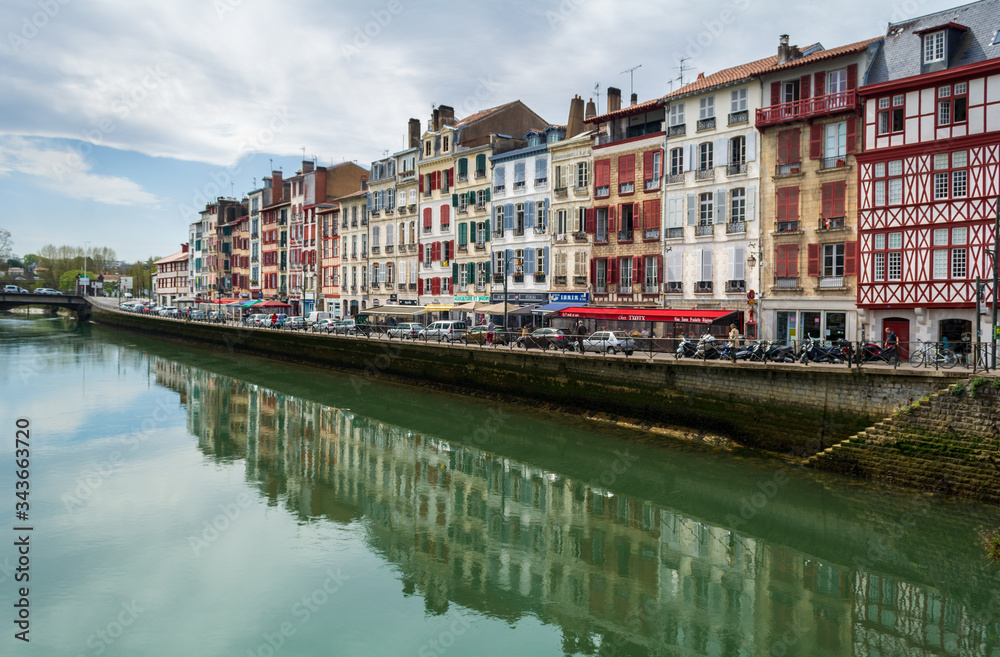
<point>506,272</point>
<point>752,261</point>
<point>86,251</point>
<point>996,276</point>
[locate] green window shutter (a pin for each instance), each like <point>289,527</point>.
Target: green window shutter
<point>463,166</point>
<point>481,162</point>
<point>489,265</point>
<point>486,231</point>
<point>487,194</point>
<point>454,200</point>
<point>472,198</point>
<point>463,229</point>
<point>454,271</point>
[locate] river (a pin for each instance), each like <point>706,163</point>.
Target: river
<point>188,502</point>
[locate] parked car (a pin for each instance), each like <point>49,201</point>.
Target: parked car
<point>610,342</point>
<point>294,323</point>
<point>322,325</point>
<point>477,335</point>
<point>352,327</point>
<point>12,289</point>
<point>405,330</point>
<point>449,329</point>
<point>198,316</point>
<point>316,316</point>
<point>544,338</point>
<point>254,319</point>
<point>46,290</point>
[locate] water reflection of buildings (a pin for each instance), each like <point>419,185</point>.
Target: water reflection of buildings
<point>618,574</point>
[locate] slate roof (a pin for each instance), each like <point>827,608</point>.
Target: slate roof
<point>901,52</point>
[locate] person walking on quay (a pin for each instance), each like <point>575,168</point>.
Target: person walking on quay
<point>490,328</point>
<point>734,340</point>
<point>581,331</point>
<point>892,342</point>
<point>274,320</point>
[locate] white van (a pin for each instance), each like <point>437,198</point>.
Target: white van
<point>315,316</point>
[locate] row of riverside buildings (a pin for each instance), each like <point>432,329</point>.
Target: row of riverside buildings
<point>846,190</point>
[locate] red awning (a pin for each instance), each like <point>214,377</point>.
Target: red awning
<point>646,314</point>
<point>271,303</point>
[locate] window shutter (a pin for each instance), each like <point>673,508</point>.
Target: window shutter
<point>489,268</point>
<point>751,148</point>
<point>637,271</point>
<point>545,216</point>
<point>637,216</point>
<point>647,165</point>
<point>792,259</point>
<point>611,219</point>
<point>613,271</point>
<point>545,261</point>
<point>529,262</point>
<point>507,254</point>
<point>445,215</point>
<point>428,222</point>
<point>593,274</point>
<point>463,234</point>
<point>816,141</point>
<point>852,133</point>
<point>781,204</point>
<point>420,285</point>
<point>472,198</point>
<point>731,265</point>
<point>813,251</point>
<point>486,231</point>
<point>775,93</point>
<point>827,206</point>
<point>850,258</point>
<point>590,222</point>
<point>751,202</point>
<point>454,271</point>
<point>804,91</point>
<point>487,199</point>
<point>436,285</point>
<point>451,249</point>
<point>463,166</point>
<point>720,206</point>
<point>706,264</point>
<point>692,157</point>
<point>852,77</point>
<point>721,152</point>
<point>451,177</point>
<point>739,264</point>
<point>793,204</point>
<point>839,198</point>
<point>659,268</point>
<point>454,200</point>
<point>508,216</point>
<point>420,252</point>
<point>481,162</point>
<point>692,210</point>
<point>780,268</point>
<point>529,215</point>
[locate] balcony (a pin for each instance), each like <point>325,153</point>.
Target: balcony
<point>427,193</point>
<point>518,278</point>
<point>389,248</point>
<point>676,232</point>
<point>411,247</point>
<point>499,190</point>
<point>705,124</point>
<point>579,280</point>
<point>649,289</point>
<point>354,223</point>
<point>733,287</point>
<point>831,282</point>
<point>651,184</point>
<point>401,209</point>
<point>539,182</point>
<point>498,278</point>
<point>364,253</point>
<point>602,192</point>
<point>480,246</point>
<point>704,231</point>
<point>498,234</point>
<point>835,162</point>
<point>625,235</point>
<point>375,250</point>
<point>375,213</point>
<point>519,232</point>
<point>786,283</point>
<point>463,177</point>
<point>559,280</point>
<point>736,118</point>
<point>736,169</point>
<point>807,108</point>
<point>401,287</point>
<point>581,190</point>
<point>580,237</point>
<point>674,178</point>
<point>412,207</point>
<point>704,174</point>
<point>736,227</point>
<point>788,226</point>
<point>463,248</point>
<point>364,221</point>
<point>480,206</point>
<point>788,169</point>
<point>625,288</point>
<point>480,173</point>
<point>376,285</point>
<point>412,286</point>
<point>601,237</point>
<point>539,278</point>
<point>673,287</point>
<point>519,186</point>
<point>831,223</point>
<point>650,234</point>
<point>677,130</point>
<point>561,191</point>
<point>626,188</point>
<point>703,287</point>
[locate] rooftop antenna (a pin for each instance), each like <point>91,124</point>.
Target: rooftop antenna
<point>631,73</point>
<point>303,153</point>
<point>271,161</point>
<point>255,183</point>
<point>681,67</point>
<point>597,95</point>
<point>232,190</point>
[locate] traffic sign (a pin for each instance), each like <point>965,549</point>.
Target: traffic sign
<point>750,295</point>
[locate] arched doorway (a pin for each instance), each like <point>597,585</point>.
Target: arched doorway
<point>901,327</point>
<point>956,334</point>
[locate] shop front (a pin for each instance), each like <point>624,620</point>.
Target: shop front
<point>518,307</point>
<point>666,326</point>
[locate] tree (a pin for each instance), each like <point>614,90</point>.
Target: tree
<point>6,244</point>
<point>68,280</point>
<point>30,260</point>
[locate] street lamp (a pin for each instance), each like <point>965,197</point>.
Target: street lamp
<point>752,261</point>
<point>86,250</point>
<point>506,272</point>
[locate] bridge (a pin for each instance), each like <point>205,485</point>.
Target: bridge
<point>75,302</point>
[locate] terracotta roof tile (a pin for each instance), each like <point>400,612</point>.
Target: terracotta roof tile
<point>726,76</point>
<point>826,54</point>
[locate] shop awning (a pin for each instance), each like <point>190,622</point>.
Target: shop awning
<point>497,308</point>
<point>272,303</point>
<point>523,310</point>
<point>647,314</point>
<point>554,307</point>
<point>247,304</point>
<point>434,307</point>
<point>408,311</point>
<point>472,306</point>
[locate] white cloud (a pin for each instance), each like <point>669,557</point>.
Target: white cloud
<point>66,171</point>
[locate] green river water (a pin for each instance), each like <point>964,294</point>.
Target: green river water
<point>189,502</point>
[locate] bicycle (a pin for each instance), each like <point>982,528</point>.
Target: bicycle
<point>931,354</point>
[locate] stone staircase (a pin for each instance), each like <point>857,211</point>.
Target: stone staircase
<point>948,443</point>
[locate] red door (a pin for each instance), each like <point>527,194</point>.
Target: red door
<point>901,327</point>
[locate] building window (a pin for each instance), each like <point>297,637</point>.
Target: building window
<point>835,140</point>
<point>705,156</point>
<point>738,100</point>
<point>737,205</point>
<point>677,114</point>
<point>890,115</point>
<point>582,174</point>
<point>738,150</point>
<point>498,263</point>
<point>676,161</point>
<point>519,219</point>
<point>952,103</point>
<point>706,108</point>
<point>561,222</point>
<point>540,261</point>
<point>934,47</point>
<point>580,264</point>
<point>833,259</point>
<point>895,257</point>
<point>625,275</point>
<point>788,147</point>
<point>600,276</point>
<point>705,205</point>
<point>581,220</point>
<point>602,225</point>
<point>836,81</point>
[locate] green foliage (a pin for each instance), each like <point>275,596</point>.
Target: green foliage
<point>996,384</point>
<point>976,384</point>
<point>68,279</point>
<point>991,543</point>
<point>958,389</point>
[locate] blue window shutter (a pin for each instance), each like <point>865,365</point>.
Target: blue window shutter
<point>497,176</point>
<point>751,148</point>
<point>692,210</point>
<point>546,261</point>
<point>508,216</point>
<point>720,206</point>
<point>751,199</point>
<point>545,216</point>
<point>508,254</point>
<point>529,214</point>
<point>529,261</point>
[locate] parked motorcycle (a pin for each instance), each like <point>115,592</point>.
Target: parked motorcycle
<point>707,349</point>
<point>687,348</point>
<point>874,352</point>
<point>813,350</point>
<point>780,353</point>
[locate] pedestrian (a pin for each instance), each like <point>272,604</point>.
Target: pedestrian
<point>581,331</point>
<point>734,341</point>
<point>891,342</point>
<point>274,320</point>
<point>490,328</point>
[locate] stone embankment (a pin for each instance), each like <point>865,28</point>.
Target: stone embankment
<point>948,442</point>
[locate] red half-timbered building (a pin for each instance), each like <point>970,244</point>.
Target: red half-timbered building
<point>929,175</point>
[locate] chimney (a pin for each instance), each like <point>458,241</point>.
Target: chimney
<point>308,166</point>
<point>184,248</point>
<point>574,125</point>
<point>267,182</point>
<point>447,116</point>
<point>784,52</point>
<point>614,99</point>
<point>635,98</point>
<point>591,110</point>
<point>414,133</point>
<point>276,184</point>
<point>435,123</point>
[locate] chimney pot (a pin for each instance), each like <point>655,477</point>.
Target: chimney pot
<point>614,99</point>
<point>635,98</point>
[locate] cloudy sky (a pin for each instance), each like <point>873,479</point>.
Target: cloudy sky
<point>119,118</point>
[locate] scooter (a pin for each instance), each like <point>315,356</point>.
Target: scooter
<point>707,349</point>
<point>813,350</point>
<point>872,351</point>
<point>780,353</point>
<point>687,348</point>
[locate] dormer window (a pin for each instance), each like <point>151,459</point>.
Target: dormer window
<point>934,47</point>
<point>427,148</point>
<point>533,140</point>
<point>553,137</point>
<point>444,144</point>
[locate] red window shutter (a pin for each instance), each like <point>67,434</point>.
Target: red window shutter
<point>659,268</point>
<point>852,133</point>
<point>593,272</point>
<point>451,249</point>
<point>427,218</point>
<point>420,183</point>
<point>647,215</point>
<point>637,271</point>
<point>451,177</point>
<point>793,204</point>
<point>852,77</point>
<point>819,83</point>
<point>611,218</point>
<point>636,215</point>
<point>794,149</point>
<point>626,168</point>
<point>827,207</point>
<point>602,173</point>
<point>850,258</point>
<point>589,222</point>
<point>816,141</point>
<point>613,271</point>
<point>437,251</point>
<point>839,198</point>
<point>804,90</point>
<point>445,218</point>
<point>813,252</point>
<point>647,165</point>
<point>775,93</point>
<point>792,258</point>
<point>780,266</point>
<point>781,203</point>
<point>436,285</point>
